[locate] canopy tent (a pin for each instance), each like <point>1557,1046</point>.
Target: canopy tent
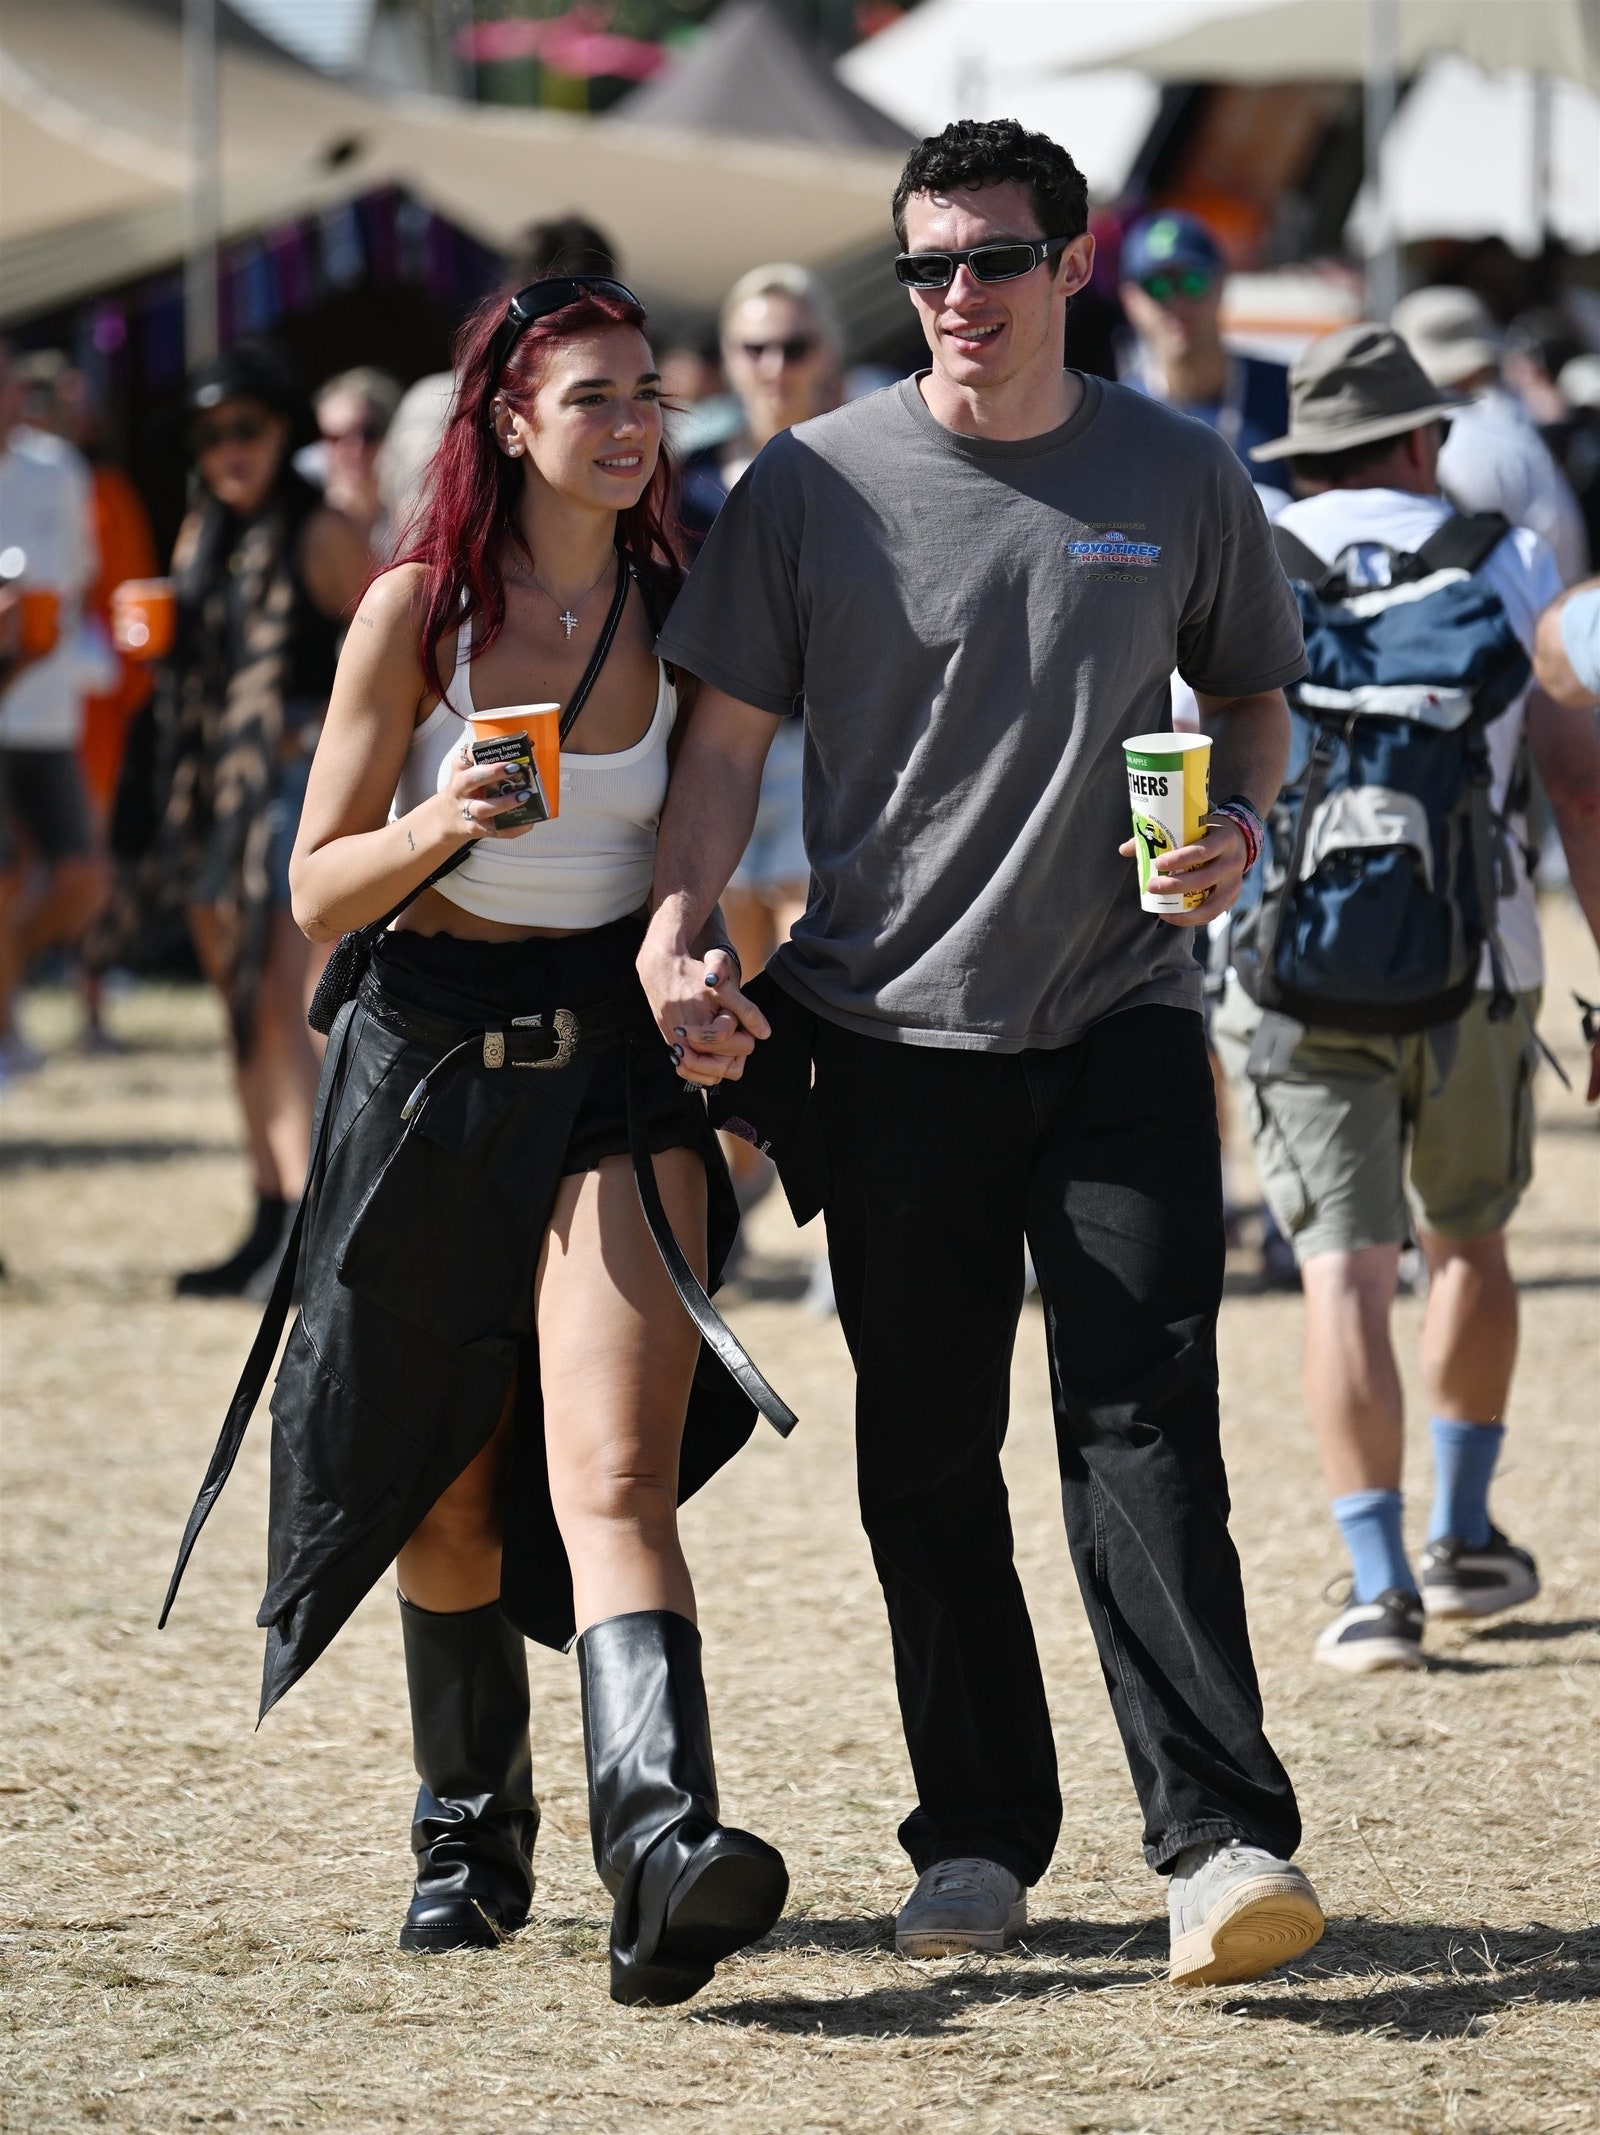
<point>750,74</point>
<point>92,167</point>
<point>1475,155</point>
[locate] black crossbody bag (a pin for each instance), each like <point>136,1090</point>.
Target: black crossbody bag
<point>351,958</point>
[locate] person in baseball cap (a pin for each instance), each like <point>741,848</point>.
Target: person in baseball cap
<point>1171,288</point>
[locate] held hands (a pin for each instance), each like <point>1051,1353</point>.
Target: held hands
<point>470,811</point>
<point>1214,866</point>
<point>707,1022</point>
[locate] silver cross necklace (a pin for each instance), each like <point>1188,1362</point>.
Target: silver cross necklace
<point>566,618</point>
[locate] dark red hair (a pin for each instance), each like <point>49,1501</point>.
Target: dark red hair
<point>470,496</point>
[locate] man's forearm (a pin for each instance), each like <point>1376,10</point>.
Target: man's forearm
<point>1249,746</point>
<point>1566,748</point>
<point>705,827</point>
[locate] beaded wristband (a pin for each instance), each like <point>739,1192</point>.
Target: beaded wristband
<point>1239,810</point>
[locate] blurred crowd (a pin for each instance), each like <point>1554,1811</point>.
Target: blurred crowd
<point>158,714</point>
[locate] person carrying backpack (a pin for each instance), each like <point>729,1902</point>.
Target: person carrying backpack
<point>1378,1019</point>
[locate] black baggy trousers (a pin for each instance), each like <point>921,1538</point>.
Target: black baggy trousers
<point>1103,1155</point>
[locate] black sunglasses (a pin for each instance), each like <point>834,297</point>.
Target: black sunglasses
<point>243,430</point>
<point>986,263</point>
<point>539,299</point>
<point>794,350</point>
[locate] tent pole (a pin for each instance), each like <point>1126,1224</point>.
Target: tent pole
<point>1382,97</point>
<point>202,204</point>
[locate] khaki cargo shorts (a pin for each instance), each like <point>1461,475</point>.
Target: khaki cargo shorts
<point>1360,1124</point>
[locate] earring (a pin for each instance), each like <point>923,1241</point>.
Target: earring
<point>514,448</point>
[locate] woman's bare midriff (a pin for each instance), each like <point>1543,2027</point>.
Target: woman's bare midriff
<point>433,913</point>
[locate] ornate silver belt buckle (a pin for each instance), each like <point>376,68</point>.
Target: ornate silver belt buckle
<point>567,1030</point>
<point>494,1048</point>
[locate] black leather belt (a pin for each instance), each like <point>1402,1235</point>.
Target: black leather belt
<point>550,1039</point>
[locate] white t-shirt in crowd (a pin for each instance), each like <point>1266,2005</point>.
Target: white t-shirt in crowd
<point>1494,460</point>
<point>1523,572</point>
<point>45,507</point>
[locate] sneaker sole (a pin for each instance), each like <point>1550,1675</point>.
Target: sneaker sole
<point>1458,1604</point>
<point>1371,1656</point>
<point>962,1941</point>
<point>1264,1923</point>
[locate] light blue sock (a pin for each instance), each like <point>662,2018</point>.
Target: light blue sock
<point>1369,1520</point>
<point>1464,1455</point>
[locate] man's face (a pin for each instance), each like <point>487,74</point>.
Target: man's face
<point>983,334</point>
<point>1174,310</point>
<point>778,363</point>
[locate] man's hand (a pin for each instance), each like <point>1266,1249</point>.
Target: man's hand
<point>709,1024</point>
<point>1215,866</point>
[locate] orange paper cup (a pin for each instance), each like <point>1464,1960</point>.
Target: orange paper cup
<point>144,613</point>
<point>542,725</point>
<point>40,618</point>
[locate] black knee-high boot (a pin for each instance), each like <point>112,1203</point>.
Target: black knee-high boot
<point>476,1818</point>
<point>688,1891</point>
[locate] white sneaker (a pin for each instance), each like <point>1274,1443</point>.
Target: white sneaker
<point>961,1906</point>
<point>1459,1581</point>
<point>1236,1912</point>
<point>1369,1635</point>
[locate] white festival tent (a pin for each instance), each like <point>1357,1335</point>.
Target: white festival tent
<point>1087,72</point>
<point>94,167</point>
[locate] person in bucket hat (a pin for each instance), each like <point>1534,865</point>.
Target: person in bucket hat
<point>1360,1142</point>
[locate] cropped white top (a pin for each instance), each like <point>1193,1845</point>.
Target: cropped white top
<point>589,864</point>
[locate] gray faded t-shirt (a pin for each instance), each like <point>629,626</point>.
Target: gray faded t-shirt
<point>974,628</point>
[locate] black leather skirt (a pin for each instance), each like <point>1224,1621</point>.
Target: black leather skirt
<point>437,1170</point>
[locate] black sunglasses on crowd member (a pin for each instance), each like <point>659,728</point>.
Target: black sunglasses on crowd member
<point>369,434</point>
<point>242,430</point>
<point>1191,282</point>
<point>539,299</point>
<point>794,350</point>
<point>1002,261</point>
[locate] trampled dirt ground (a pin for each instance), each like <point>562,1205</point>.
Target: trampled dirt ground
<point>198,1919</point>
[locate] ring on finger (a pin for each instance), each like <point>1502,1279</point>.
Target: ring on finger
<point>467,815</point>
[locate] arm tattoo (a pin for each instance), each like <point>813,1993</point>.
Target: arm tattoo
<point>367,622</point>
<point>411,841</point>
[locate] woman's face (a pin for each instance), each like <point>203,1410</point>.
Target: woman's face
<point>778,363</point>
<point>239,447</point>
<point>592,430</point>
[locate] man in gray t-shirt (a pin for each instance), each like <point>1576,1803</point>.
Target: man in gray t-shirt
<point>979,582</point>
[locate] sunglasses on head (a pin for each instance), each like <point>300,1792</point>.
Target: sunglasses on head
<point>1001,262</point>
<point>794,350</point>
<point>1186,282</point>
<point>539,299</point>
<point>242,430</point>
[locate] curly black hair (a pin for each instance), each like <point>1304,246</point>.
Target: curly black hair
<point>988,152</point>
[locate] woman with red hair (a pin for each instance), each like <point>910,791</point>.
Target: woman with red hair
<point>492,1370</point>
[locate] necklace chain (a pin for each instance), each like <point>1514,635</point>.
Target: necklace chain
<point>566,617</point>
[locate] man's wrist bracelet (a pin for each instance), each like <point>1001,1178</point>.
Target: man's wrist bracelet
<point>1240,809</point>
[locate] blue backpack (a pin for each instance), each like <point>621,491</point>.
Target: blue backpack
<point>1383,859</point>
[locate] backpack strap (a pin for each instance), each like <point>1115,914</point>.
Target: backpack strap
<point>1301,562</point>
<point>1465,541</point>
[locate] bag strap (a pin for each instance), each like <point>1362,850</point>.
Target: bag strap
<point>1464,542</point>
<point>597,659</point>
<point>1301,562</point>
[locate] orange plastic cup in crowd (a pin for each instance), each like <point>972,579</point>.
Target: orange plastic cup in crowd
<point>144,615</point>
<point>542,725</point>
<point>39,618</point>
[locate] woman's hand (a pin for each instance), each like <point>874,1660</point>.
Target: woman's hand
<point>470,807</point>
<point>709,1024</point>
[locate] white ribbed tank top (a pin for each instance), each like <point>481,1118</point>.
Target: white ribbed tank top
<point>588,865</point>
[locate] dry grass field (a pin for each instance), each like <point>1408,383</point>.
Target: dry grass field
<point>198,1919</point>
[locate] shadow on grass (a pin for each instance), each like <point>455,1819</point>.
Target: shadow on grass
<point>1416,1982</point>
<point>38,1154</point>
<point>1533,1632</point>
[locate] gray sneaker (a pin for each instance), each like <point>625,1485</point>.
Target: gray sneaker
<point>961,1906</point>
<point>1237,1911</point>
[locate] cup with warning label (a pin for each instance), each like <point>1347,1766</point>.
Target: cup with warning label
<point>1169,779</point>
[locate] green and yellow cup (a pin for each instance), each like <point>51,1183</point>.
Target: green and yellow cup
<point>1169,788</point>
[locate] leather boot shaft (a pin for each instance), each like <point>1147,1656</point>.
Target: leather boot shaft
<point>476,1818</point>
<point>686,1891</point>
